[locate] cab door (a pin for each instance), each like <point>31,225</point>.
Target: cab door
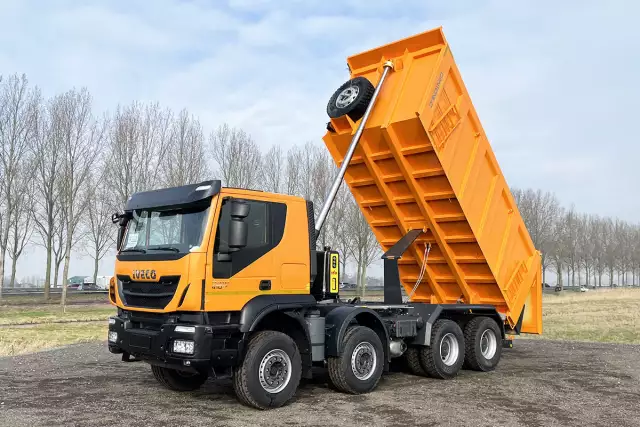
<point>235,277</point>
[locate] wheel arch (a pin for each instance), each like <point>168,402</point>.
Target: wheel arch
<point>291,323</point>
<point>339,319</point>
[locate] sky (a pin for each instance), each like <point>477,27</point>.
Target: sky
<point>554,83</point>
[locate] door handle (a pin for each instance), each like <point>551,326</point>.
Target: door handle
<point>265,285</point>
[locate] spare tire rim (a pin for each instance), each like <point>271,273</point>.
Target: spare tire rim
<point>488,344</point>
<point>347,96</point>
<point>449,349</point>
<point>364,361</point>
<point>275,371</point>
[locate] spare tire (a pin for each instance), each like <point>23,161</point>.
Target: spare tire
<point>351,99</point>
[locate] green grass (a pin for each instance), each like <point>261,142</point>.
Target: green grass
<point>72,298</point>
<point>20,340</point>
<point>23,314</point>
<point>602,316</point>
<point>611,315</point>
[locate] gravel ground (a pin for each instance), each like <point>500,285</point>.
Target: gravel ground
<point>538,383</point>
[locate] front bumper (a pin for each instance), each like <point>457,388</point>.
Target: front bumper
<point>216,347</point>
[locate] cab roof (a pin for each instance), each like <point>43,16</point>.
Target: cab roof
<point>167,198</point>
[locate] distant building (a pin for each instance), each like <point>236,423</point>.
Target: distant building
<point>76,280</point>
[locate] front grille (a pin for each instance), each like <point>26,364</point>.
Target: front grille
<point>149,294</point>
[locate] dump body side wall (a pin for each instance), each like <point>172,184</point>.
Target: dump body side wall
<point>424,161</point>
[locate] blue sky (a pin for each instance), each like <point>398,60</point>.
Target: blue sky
<point>554,83</point>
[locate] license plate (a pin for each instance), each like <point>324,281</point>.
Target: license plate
<point>140,341</point>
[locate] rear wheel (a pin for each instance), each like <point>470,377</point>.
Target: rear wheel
<point>444,356</point>
<point>351,99</point>
<point>483,346</point>
<point>412,355</point>
<point>359,367</point>
<point>178,380</point>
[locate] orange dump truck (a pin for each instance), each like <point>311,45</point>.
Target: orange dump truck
<point>229,283</point>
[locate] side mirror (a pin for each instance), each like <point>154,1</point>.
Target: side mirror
<point>238,229</point>
<point>121,220</point>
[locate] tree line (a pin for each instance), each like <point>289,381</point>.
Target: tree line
<point>580,249</point>
<point>64,169</point>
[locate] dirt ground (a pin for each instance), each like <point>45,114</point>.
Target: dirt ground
<point>538,383</point>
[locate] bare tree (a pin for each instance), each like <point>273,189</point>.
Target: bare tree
<point>364,247</point>
<point>539,211</point>
<point>558,247</point>
<point>636,253</point>
<point>18,115</point>
<point>81,138</point>
<point>586,245</point>
<point>609,248</point>
<point>47,158</point>
<point>294,175</point>
<point>322,176</point>
<point>310,158</point>
<point>185,161</point>
<point>57,249</point>
<point>570,237</point>
<point>20,224</point>
<point>137,141</point>
<point>273,169</point>
<point>99,229</point>
<point>597,235</point>
<point>237,156</point>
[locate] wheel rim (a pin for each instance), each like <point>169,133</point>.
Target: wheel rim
<point>275,371</point>
<point>449,349</point>
<point>364,361</point>
<point>488,344</point>
<point>347,96</point>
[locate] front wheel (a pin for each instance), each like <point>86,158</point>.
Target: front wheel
<point>270,372</point>
<point>359,367</point>
<point>178,380</point>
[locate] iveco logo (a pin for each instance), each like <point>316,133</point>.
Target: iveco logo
<point>144,274</point>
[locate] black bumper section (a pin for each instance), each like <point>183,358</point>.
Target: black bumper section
<point>215,348</point>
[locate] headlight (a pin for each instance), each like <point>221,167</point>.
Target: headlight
<point>183,346</point>
<point>185,329</point>
<point>113,336</point>
<point>112,321</point>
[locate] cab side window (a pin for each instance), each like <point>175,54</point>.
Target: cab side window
<point>265,224</point>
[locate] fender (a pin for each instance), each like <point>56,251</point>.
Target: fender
<point>338,320</point>
<point>258,307</point>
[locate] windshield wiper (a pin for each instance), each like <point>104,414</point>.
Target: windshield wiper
<point>142,251</point>
<point>165,248</point>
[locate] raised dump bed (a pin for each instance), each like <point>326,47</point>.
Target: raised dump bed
<point>424,162</point>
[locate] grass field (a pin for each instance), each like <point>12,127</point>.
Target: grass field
<point>602,315</point>
<point>609,315</point>
<point>29,328</point>
<point>72,298</point>
<point>25,314</point>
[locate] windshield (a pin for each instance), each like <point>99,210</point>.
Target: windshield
<point>176,230</point>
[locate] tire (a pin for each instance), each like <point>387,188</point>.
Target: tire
<point>351,99</point>
<point>412,355</point>
<point>359,367</point>
<point>178,380</point>
<point>444,357</point>
<point>257,385</point>
<point>483,344</point>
